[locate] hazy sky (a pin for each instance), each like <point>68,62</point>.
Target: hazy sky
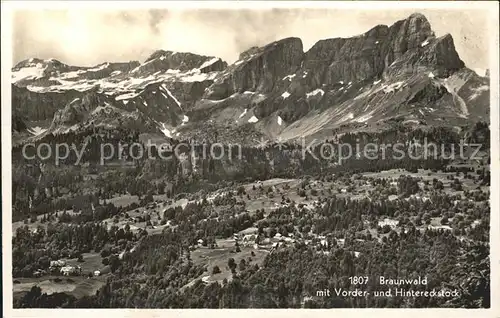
<point>87,38</point>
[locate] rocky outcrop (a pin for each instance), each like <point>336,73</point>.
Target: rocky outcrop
<point>260,69</point>
<point>153,109</point>
<point>429,94</point>
<point>106,70</point>
<point>156,102</point>
<point>436,55</point>
<point>168,60</point>
<point>42,87</point>
<point>331,68</point>
<point>40,106</point>
<point>77,110</point>
<point>331,61</point>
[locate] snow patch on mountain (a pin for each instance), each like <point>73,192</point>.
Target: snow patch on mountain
<point>98,67</point>
<point>37,130</point>
<point>244,112</point>
<point>364,118</point>
<point>126,96</point>
<point>414,121</point>
<point>209,62</point>
<point>478,91</point>
<point>36,89</point>
<point>170,94</point>
<point>197,76</point>
<point>165,131</point>
<point>69,75</point>
<point>253,119</point>
<point>315,92</point>
<point>280,121</point>
<point>347,117</point>
<point>76,80</point>
<point>285,95</point>
<point>32,72</point>
<point>393,87</point>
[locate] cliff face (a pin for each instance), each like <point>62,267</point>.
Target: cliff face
<point>40,106</point>
<point>259,69</point>
<point>277,90</point>
<point>405,47</point>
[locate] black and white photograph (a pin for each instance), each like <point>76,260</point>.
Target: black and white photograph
<point>247,156</point>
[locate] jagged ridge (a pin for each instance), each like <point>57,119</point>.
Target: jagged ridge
<point>402,70</point>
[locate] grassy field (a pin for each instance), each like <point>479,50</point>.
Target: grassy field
<point>91,262</point>
<point>155,214</point>
<point>220,256</point>
<point>34,225</point>
<point>77,286</point>
<point>428,175</point>
<point>123,200</point>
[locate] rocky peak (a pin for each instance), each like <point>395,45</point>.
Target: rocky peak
<point>260,69</point>
<point>346,59</point>
<point>409,43</point>
<point>444,54</point>
<point>248,53</point>
<point>35,69</point>
<point>162,60</point>
<point>409,33</point>
<point>36,62</point>
<point>434,54</point>
<point>78,109</point>
<point>121,66</point>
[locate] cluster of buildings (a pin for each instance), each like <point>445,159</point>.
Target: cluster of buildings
<point>269,243</point>
<point>66,270</point>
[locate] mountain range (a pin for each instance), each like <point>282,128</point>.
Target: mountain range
<point>401,74</point>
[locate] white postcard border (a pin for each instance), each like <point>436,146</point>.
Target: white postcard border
<point>6,35</point>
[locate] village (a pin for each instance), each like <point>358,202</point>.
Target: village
<point>303,195</point>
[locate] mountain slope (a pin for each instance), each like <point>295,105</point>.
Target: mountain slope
<point>400,73</point>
